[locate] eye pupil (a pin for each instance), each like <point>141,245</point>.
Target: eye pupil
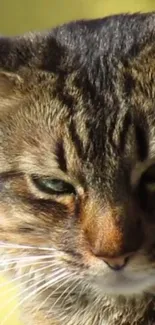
<point>53,186</point>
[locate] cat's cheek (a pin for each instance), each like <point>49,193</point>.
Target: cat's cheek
<point>19,227</point>
<point>4,220</point>
<point>11,226</point>
<point>69,202</point>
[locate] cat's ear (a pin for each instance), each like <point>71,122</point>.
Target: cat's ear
<point>11,89</point>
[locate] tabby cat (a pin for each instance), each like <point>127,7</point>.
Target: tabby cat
<point>77,171</point>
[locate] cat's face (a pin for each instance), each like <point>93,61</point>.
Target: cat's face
<point>76,184</point>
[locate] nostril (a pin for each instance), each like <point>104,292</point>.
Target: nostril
<point>117,263</point>
<point>126,259</point>
<point>117,267</point>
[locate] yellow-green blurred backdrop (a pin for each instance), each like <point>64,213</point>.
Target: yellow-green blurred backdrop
<point>19,16</point>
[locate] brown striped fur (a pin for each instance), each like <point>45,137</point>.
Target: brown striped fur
<point>77,104</point>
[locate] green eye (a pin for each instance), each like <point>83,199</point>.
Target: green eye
<point>150,187</point>
<point>53,186</point>
<point>148,179</point>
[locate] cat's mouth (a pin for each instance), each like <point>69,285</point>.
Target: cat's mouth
<point>124,282</point>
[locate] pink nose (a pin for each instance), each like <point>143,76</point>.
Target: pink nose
<point>117,263</point>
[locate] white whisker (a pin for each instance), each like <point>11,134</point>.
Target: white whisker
<point>53,292</point>
<point>77,283</point>
<point>69,292</point>
<point>30,287</point>
<point>8,245</point>
<point>28,274</point>
<point>7,269</point>
<point>59,279</point>
<point>19,293</point>
<point>28,296</point>
<point>25,258</point>
<point>23,283</point>
<point>6,263</point>
<point>83,289</point>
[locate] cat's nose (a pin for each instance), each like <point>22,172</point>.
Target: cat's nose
<point>117,263</point>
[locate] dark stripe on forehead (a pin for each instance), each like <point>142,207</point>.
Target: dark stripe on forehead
<point>129,84</point>
<point>76,139</point>
<point>61,92</point>
<point>141,135</point>
<point>60,154</point>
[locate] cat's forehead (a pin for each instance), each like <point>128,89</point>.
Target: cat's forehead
<point>85,116</point>
<point>39,128</point>
<point>60,117</point>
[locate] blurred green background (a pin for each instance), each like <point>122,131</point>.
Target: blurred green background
<point>19,16</point>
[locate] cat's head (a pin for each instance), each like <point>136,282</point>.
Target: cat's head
<point>77,171</point>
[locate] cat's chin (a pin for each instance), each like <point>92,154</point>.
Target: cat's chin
<point>122,283</point>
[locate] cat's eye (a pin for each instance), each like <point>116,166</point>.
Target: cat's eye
<point>148,179</point>
<point>146,192</point>
<point>53,186</point>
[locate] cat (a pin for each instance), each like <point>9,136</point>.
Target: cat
<point>77,171</point>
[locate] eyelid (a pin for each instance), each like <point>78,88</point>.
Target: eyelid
<point>42,194</point>
<point>54,186</point>
<point>80,190</point>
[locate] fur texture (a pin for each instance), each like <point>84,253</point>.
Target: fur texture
<point>77,105</point>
